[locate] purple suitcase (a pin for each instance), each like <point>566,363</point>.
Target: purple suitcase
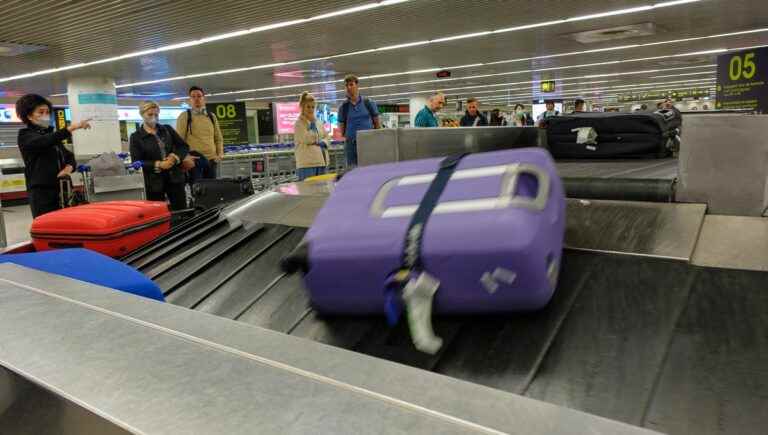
<point>494,241</point>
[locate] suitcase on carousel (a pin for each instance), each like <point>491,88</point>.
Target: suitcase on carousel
<point>491,243</point>
<point>209,193</point>
<point>113,228</point>
<point>619,135</point>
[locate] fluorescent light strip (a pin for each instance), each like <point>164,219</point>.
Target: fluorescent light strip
<point>550,56</point>
<point>703,82</point>
<point>613,62</point>
<point>213,38</point>
<point>474,35</point>
<point>577,92</point>
<point>275,97</point>
<point>584,92</point>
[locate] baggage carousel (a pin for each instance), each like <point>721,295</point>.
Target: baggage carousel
<point>640,330</point>
<point>642,336</point>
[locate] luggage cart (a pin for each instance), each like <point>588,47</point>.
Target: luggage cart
<point>110,188</point>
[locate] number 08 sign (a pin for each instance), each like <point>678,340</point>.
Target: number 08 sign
<point>233,121</point>
<point>741,80</point>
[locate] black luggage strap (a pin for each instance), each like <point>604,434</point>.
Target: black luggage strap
<point>416,287</point>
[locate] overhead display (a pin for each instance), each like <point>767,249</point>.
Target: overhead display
<point>741,78</point>
<point>233,121</point>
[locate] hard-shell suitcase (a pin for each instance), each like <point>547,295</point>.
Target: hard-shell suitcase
<point>209,193</point>
<point>619,135</point>
<point>492,243</point>
<point>88,266</point>
<point>113,228</point>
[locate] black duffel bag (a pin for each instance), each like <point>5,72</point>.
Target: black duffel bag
<point>619,135</point>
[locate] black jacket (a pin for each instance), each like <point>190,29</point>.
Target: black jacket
<point>144,148</point>
<point>44,155</point>
<point>469,121</point>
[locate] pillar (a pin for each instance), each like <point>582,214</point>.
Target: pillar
<point>94,98</point>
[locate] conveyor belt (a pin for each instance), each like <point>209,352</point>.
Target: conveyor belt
<point>625,180</point>
<point>648,169</point>
<point>651,342</point>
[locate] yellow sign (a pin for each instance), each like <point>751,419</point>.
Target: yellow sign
<point>548,86</point>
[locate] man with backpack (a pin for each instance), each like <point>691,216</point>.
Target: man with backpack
<point>200,129</point>
<point>355,114</point>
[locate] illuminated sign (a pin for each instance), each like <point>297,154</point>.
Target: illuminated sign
<point>286,115</point>
<point>741,80</point>
<point>8,113</point>
<point>547,86</point>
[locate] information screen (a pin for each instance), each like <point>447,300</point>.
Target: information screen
<point>741,80</point>
<point>286,115</point>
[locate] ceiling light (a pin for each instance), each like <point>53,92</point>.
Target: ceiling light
<point>560,79</point>
<point>451,38</point>
<point>208,39</point>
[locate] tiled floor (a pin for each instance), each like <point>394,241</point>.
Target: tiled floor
<point>17,220</point>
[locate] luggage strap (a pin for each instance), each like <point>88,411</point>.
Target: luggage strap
<point>417,287</point>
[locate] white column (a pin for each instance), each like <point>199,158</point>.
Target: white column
<point>415,105</point>
<point>94,98</point>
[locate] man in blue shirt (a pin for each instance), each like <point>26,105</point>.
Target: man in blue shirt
<point>355,114</point>
<point>427,117</point>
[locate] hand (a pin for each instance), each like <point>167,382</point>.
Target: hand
<point>165,164</point>
<point>84,124</point>
<point>65,172</point>
<point>189,162</point>
<point>173,158</point>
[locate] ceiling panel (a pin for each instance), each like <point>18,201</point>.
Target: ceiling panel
<point>86,31</point>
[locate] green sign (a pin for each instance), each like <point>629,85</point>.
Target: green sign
<point>658,95</point>
<point>547,86</point>
<point>741,78</point>
<point>233,121</point>
<point>97,98</point>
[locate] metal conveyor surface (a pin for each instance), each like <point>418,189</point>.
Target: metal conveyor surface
<point>651,342</point>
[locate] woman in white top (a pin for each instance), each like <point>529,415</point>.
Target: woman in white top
<point>311,140</point>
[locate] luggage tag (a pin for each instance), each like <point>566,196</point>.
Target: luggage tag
<point>418,295</point>
<point>586,136</point>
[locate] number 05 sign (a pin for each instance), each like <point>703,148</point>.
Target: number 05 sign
<point>741,80</point>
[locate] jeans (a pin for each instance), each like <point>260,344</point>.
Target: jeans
<point>304,173</point>
<point>350,151</point>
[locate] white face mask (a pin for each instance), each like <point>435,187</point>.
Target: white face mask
<point>150,120</point>
<point>42,121</point>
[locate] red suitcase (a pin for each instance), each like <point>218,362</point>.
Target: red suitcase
<point>113,228</point>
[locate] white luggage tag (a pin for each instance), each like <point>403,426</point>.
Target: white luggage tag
<point>586,136</point>
<point>418,294</point>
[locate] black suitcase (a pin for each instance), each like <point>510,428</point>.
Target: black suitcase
<point>619,135</point>
<point>210,193</point>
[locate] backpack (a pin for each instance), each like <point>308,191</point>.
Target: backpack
<point>344,111</point>
<point>189,122</point>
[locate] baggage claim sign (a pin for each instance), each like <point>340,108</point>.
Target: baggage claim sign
<point>741,80</point>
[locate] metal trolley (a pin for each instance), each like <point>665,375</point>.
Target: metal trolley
<point>271,164</point>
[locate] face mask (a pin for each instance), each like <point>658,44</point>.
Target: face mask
<point>520,113</point>
<point>150,120</point>
<point>42,121</point>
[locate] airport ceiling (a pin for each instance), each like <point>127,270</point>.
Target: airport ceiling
<point>282,48</point>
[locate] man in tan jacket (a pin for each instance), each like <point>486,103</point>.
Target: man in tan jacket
<point>202,134</point>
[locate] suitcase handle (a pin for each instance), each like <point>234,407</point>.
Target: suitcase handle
<point>506,198</point>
